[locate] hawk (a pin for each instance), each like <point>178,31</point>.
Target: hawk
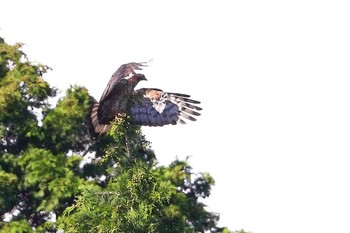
<point>145,106</point>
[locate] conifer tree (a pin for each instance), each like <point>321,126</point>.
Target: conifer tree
<point>46,185</point>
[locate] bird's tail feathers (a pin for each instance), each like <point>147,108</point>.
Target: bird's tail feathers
<point>92,120</point>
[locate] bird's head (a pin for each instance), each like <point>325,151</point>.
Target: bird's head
<point>140,77</point>
<point>136,78</point>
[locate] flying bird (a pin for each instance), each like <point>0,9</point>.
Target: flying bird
<point>145,106</point>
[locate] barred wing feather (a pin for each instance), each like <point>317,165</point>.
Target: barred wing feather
<point>153,107</point>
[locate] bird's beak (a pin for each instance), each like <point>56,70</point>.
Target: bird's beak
<point>144,78</point>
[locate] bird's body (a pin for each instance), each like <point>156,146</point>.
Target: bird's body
<point>145,106</point>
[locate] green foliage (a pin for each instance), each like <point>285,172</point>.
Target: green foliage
<point>22,90</point>
<point>241,231</point>
<point>64,129</point>
<point>141,197</point>
<point>190,187</point>
<point>8,184</point>
<point>121,190</point>
<point>49,178</point>
<point>131,202</point>
<point>37,178</point>
<point>19,226</point>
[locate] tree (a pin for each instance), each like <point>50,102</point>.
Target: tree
<point>139,196</point>
<point>37,178</point>
<point>46,185</point>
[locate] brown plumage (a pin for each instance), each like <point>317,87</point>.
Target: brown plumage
<point>145,106</point>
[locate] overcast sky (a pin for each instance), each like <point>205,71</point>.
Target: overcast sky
<point>272,76</point>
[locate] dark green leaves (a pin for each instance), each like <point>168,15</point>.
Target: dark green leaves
<point>120,190</point>
<point>63,126</point>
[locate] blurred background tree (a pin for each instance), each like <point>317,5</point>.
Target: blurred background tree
<point>47,182</point>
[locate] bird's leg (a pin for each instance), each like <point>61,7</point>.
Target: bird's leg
<point>119,116</point>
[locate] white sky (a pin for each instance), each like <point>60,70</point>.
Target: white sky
<point>273,78</point>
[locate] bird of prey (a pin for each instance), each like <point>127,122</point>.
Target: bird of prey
<point>145,106</point>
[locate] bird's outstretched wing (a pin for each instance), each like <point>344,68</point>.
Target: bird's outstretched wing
<point>146,106</point>
<point>153,107</point>
<point>123,71</point>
